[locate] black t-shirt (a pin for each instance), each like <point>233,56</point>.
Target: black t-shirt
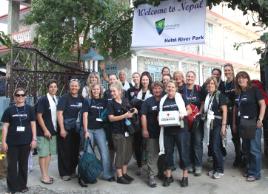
<point>229,92</point>
<point>116,109</point>
<point>19,116</point>
<point>192,96</point>
<point>132,93</point>
<point>217,102</point>
<point>204,91</point>
<point>247,102</point>
<point>44,108</point>
<point>70,106</point>
<point>94,110</point>
<point>170,105</point>
<point>150,109</point>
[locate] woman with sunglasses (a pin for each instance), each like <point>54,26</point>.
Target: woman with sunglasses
<point>18,138</point>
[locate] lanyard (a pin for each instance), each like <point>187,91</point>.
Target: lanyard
<point>21,113</point>
<point>210,101</point>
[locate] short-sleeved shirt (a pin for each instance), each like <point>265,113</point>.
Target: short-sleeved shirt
<point>44,108</point>
<point>229,92</point>
<point>192,96</point>
<point>247,102</point>
<point>170,105</point>
<point>217,103</point>
<point>94,107</point>
<point>16,117</point>
<point>70,106</point>
<point>150,109</point>
<point>132,93</point>
<point>117,109</point>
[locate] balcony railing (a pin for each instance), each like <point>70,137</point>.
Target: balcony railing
<point>23,36</point>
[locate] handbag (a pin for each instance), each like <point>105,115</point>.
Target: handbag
<point>191,117</point>
<point>72,124</point>
<point>169,118</point>
<point>247,128</point>
<point>89,166</point>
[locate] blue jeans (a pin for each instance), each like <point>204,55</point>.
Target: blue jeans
<point>181,139</point>
<point>252,151</point>
<point>97,136</point>
<point>196,147</point>
<point>216,142</point>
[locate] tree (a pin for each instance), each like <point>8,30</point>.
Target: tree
<point>67,28</point>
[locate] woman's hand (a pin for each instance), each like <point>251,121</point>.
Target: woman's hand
<point>33,144</point>
<point>87,136</point>
<point>63,133</point>
<point>47,134</point>
<point>259,124</point>
<point>4,147</point>
<point>145,133</point>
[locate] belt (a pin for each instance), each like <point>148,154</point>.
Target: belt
<point>217,117</point>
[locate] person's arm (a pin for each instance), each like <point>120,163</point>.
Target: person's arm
<point>113,118</point>
<point>145,132</point>
<point>34,140</point>
<point>63,132</point>
<point>224,120</point>
<point>189,109</point>
<point>4,137</point>
<point>234,119</point>
<point>41,122</point>
<point>85,123</point>
<point>262,106</point>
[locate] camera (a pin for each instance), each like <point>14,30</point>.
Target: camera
<point>132,110</point>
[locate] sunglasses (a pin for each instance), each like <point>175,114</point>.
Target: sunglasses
<point>20,95</point>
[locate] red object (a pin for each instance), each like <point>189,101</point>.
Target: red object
<point>192,116</point>
<point>259,85</point>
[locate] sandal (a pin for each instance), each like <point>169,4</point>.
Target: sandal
<point>47,182</point>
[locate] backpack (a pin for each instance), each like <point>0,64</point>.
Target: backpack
<point>260,87</point>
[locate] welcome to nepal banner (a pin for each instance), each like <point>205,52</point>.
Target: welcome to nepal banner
<point>169,24</point>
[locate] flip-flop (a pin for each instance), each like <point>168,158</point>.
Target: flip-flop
<point>51,178</point>
<point>47,182</point>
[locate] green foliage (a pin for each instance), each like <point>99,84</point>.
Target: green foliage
<point>63,24</point>
<point>5,40</point>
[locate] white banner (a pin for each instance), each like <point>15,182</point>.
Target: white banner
<point>169,24</point>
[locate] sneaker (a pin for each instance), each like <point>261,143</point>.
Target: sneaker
<point>217,175</point>
<point>252,178</point>
<point>128,178</point>
<point>190,170</point>
<point>152,182</point>
<point>122,180</point>
<point>184,182</point>
<point>66,178</point>
<point>198,171</point>
<point>210,173</point>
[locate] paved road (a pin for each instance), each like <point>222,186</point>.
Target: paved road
<point>232,182</point>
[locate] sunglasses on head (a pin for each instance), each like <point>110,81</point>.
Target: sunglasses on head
<point>20,95</point>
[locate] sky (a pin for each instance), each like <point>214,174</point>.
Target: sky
<point>3,11</point>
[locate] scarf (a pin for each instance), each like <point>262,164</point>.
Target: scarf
<point>53,109</point>
<point>207,106</point>
<point>181,106</point>
<point>147,95</point>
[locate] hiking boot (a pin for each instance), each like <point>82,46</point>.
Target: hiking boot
<point>184,182</point>
<point>217,175</point>
<point>122,180</point>
<point>152,182</point>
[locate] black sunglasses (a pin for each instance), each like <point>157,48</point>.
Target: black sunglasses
<point>20,95</point>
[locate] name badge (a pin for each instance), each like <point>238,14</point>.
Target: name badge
<point>211,115</point>
<point>239,113</point>
<point>99,119</point>
<point>126,134</point>
<point>20,129</point>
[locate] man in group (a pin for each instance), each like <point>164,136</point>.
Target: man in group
<point>134,90</point>
<point>46,129</point>
<point>123,80</point>
<point>151,130</point>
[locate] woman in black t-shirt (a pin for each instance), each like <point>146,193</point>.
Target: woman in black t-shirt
<point>18,137</point>
<point>68,110</point>
<point>249,105</point>
<point>192,94</point>
<point>119,112</point>
<point>93,127</point>
<point>215,111</point>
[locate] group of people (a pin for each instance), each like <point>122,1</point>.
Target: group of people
<point>125,120</point>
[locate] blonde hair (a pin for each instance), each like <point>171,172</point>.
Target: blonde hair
<point>93,74</point>
<point>118,86</point>
<point>180,73</point>
<point>101,90</point>
<point>212,79</point>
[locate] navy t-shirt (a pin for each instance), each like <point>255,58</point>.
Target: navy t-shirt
<point>94,110</point>
<point>150,109</point>
<point>70,106</point>
<point>44,108</point>
<point>229,92</point>
<point>247,102</point>
<point>132,93</point>
<point>170,105</point>
<point>117,109</point>
<point>216,107</point>
<point>19,116</point>
<point>192,96</point>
